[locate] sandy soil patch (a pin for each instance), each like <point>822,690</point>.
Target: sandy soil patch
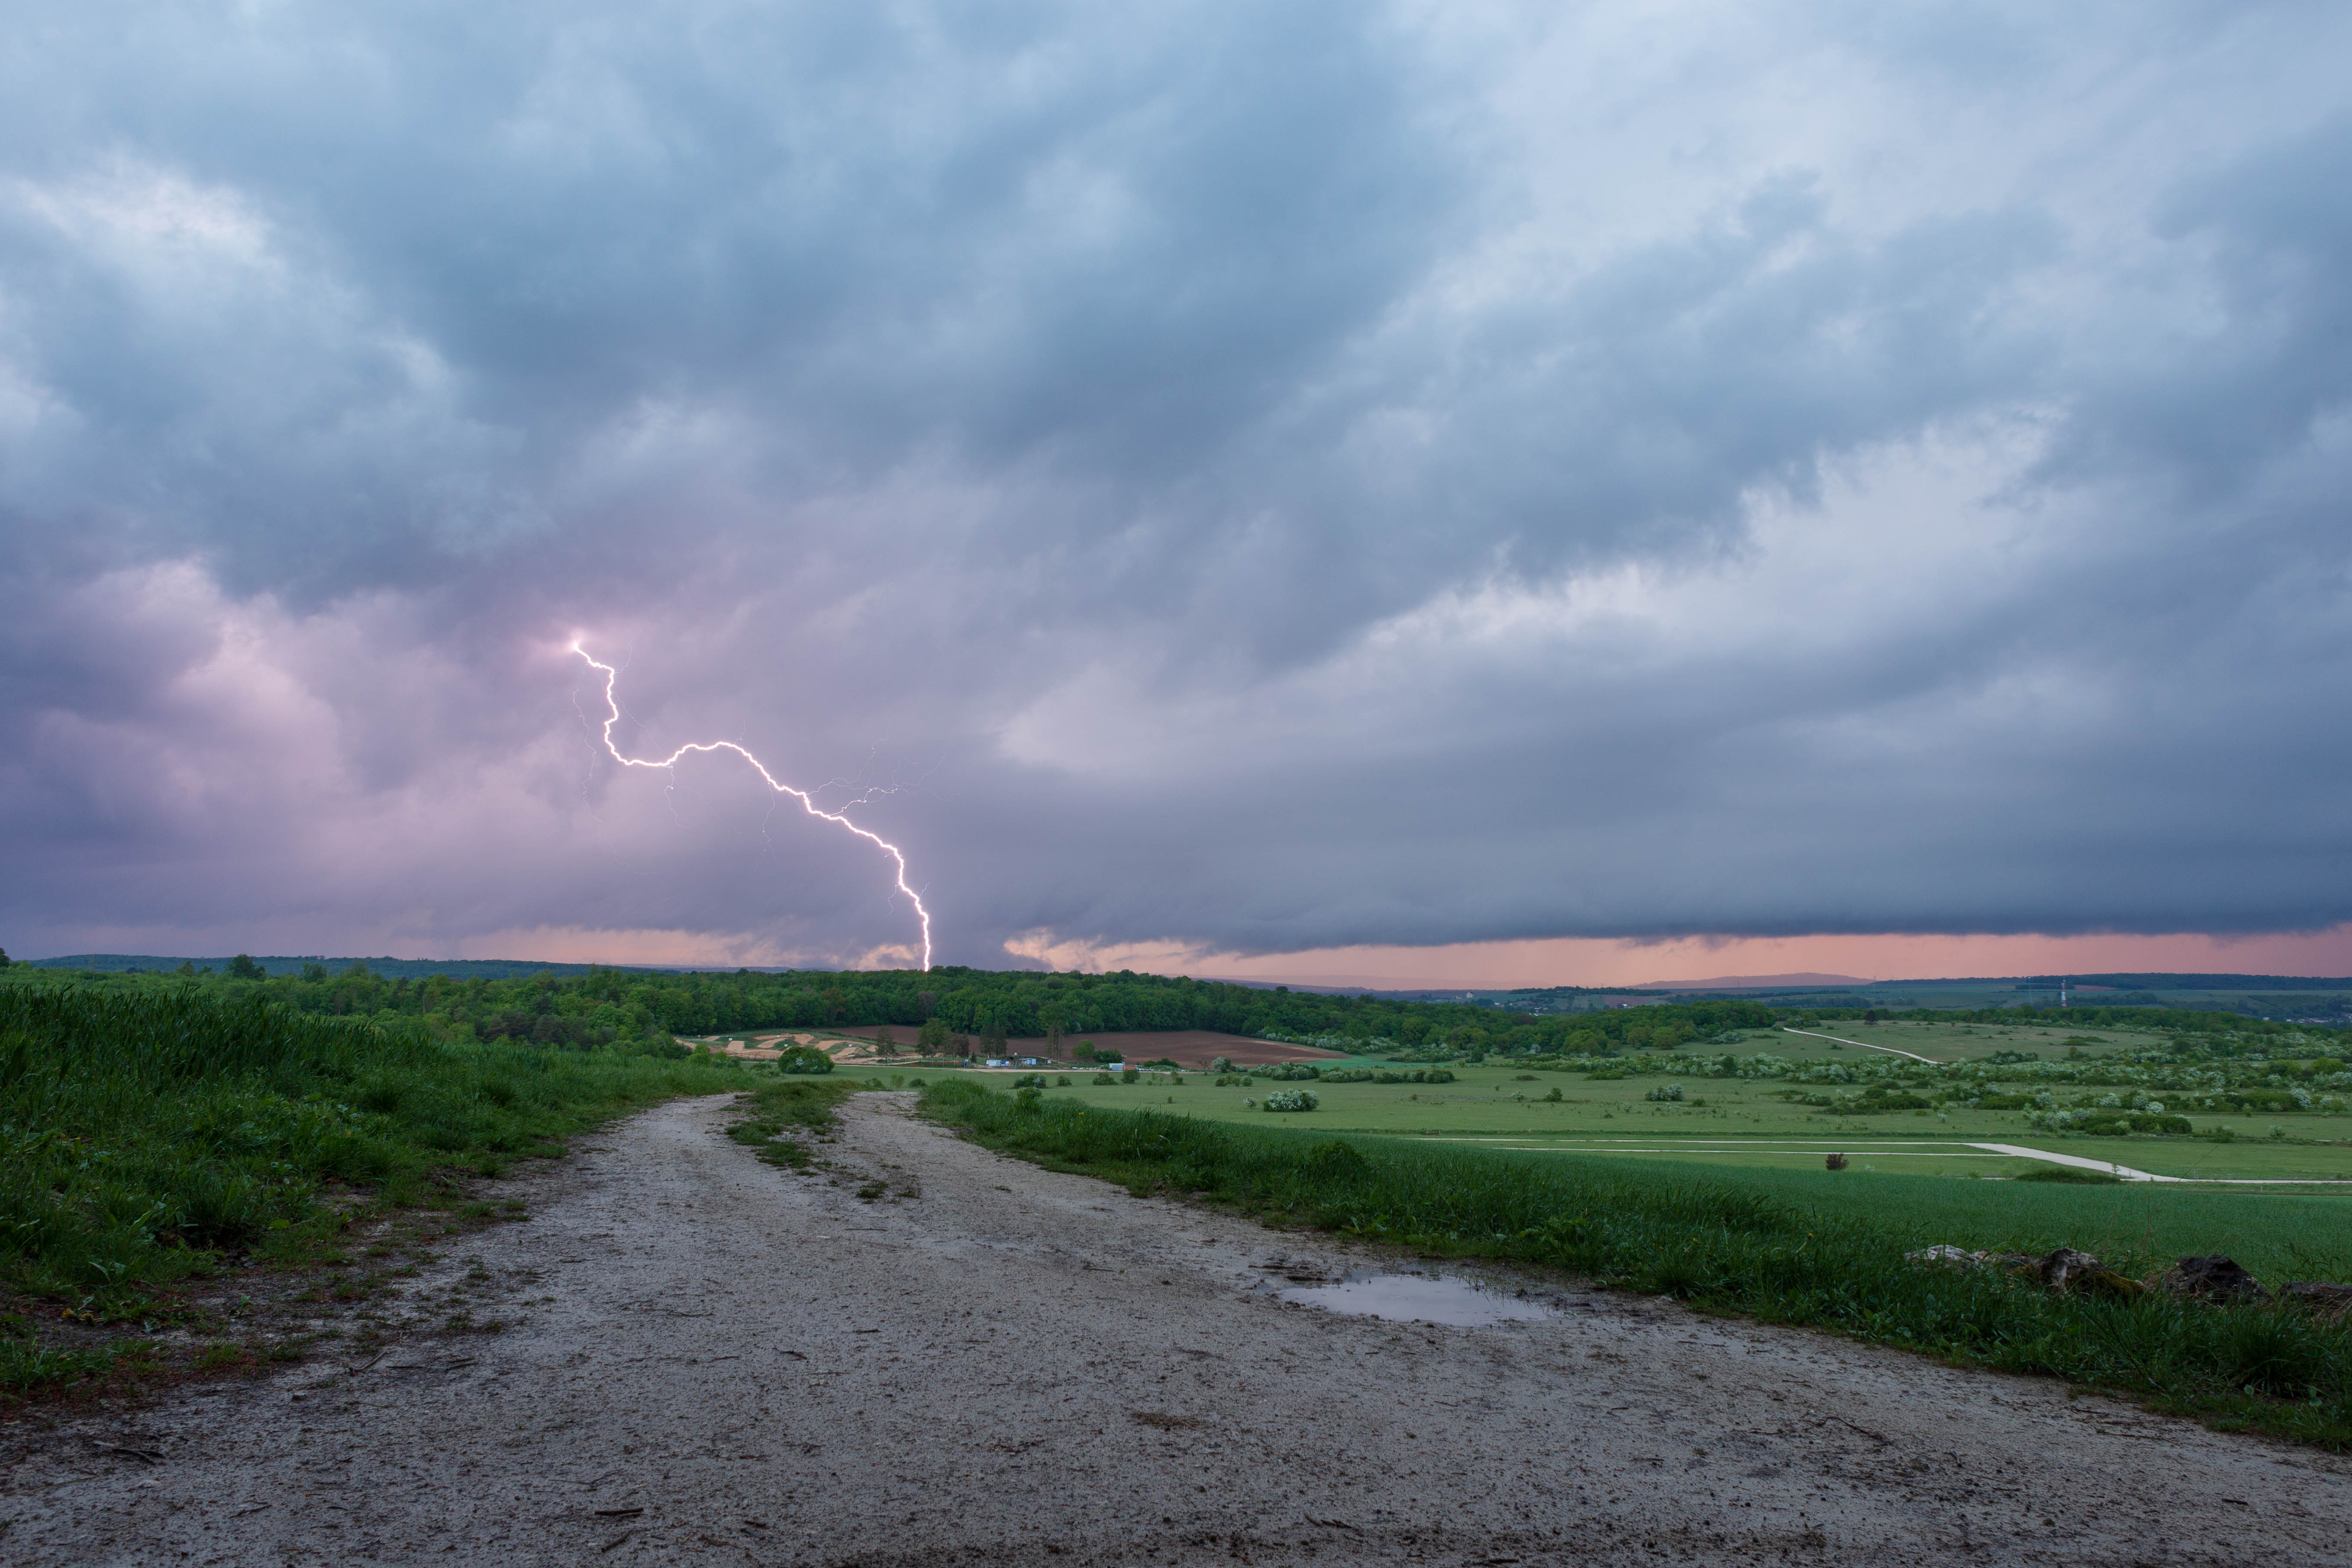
<point>767,1047</point>
<point>710,1360</point>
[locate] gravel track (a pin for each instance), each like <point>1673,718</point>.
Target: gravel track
<point>709,1360</point>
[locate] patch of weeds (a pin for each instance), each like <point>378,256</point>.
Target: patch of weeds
<point>224,1355</point>
<point>779,1109</point>
<point>27,1366</point>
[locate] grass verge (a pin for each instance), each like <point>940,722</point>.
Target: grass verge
<point>1721,1245</point>
<point>779,1108</point>
<point>151,1138</point>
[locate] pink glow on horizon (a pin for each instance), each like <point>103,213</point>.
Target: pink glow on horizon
<point>1560,962</point>
<point>1601,962</point>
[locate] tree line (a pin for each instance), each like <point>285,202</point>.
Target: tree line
<point>609,1006</point>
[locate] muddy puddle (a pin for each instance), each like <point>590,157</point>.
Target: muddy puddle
<point>1421,1298</point>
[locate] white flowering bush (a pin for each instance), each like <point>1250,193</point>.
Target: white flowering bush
<point>1665,1091</point>
<point>1292,1099</point>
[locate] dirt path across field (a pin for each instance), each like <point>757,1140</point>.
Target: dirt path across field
<point>709,1360</point>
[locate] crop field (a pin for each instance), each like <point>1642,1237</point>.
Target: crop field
<point>1933,1187</point>
<point>1763,1121</point>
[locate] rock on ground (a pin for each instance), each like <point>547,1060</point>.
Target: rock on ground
<point>709,1360</point>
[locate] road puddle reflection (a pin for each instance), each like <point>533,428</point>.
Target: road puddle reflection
<point>1421,1298</point>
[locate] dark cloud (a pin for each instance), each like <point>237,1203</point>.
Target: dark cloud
<point>1254,479</point>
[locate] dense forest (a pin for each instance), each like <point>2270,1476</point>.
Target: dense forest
<point>607,1007</point>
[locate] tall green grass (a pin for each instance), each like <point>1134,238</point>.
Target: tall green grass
<point>2136,1226</point>
<point>1725,1245</point>
<point>143,1134</point>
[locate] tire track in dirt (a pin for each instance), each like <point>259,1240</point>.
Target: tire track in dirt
<point>713,1361</point>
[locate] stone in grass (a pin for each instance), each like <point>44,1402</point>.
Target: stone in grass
<point>2328,1301</point>
<point>2214,1279</point>
<point>1947,1256</point>
<point>2064,1269</point>
<point>2067,1270</point>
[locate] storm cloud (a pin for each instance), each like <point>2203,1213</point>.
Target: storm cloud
<point>1251,479</point>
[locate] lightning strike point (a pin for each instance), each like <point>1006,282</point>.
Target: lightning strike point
<point>808,802</point>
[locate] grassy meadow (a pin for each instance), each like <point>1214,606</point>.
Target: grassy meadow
<point>1914,1164</point>
<point>1754,1123</point>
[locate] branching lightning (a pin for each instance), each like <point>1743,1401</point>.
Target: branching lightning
<point>808,802</point>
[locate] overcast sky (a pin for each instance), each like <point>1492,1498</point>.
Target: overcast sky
<point>1214,480</point>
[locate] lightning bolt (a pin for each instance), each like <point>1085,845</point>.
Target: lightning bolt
<point>808,802</point>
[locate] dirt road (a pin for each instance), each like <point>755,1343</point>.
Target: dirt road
<point>709,1360</point>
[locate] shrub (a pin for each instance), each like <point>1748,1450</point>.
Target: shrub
<point>805,1059</point>
<point>1665,1091</point>
<point>1292,1099</point>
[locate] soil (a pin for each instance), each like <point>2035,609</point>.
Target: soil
<point>703,1358</point>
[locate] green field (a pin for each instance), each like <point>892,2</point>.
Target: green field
<point>1749,1122</point>
<point>1910,1171</point>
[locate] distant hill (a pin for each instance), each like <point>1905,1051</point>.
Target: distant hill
<point>412,968</point>
<point>1751,983</point>
<point>2014,982</point>
<point>2177,982</point>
